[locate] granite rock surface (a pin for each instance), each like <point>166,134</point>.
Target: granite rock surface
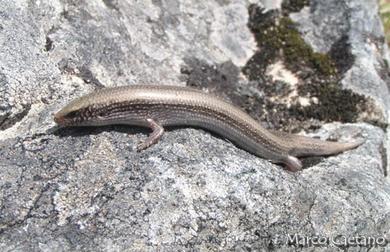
<point>88,189</point>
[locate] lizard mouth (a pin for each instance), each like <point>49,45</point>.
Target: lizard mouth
<point>60,120</point>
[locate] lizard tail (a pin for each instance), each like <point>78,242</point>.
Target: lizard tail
<point>301,146</point>
<point>316,147</point>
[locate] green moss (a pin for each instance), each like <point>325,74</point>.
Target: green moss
<point>283,37</point>
<point>279,40</point>
<point>294,5</point>
<point>278,37</point>
<point>334,103</point>
<point>323,63</point>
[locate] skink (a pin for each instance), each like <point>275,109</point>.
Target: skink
<point>158,106</point>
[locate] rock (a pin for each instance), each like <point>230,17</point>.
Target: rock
<point>88,189</point>
<point>359,29</point>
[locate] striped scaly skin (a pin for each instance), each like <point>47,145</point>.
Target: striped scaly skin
<point>158,106</point>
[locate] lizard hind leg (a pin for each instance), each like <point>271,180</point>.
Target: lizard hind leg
<point>157,132</point>
<point>292,163</point>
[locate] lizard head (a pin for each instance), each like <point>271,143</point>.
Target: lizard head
<point>77,113</point>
